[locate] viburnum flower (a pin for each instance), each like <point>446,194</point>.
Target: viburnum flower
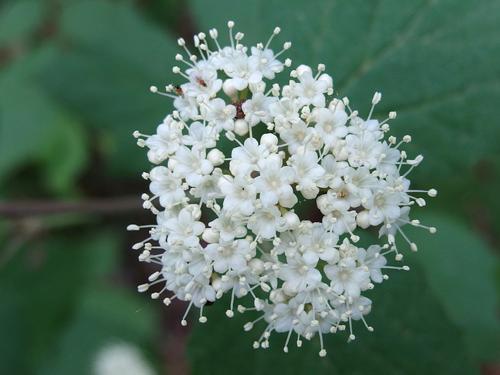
<point>233,164</point>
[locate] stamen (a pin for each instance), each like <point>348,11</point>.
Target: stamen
<point>230,26</point>
<point>183,321</point>
<point>276,31</point>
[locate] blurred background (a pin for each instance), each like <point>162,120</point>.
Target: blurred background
<point>74,78</point>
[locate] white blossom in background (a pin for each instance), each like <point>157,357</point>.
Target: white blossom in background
<point>232,164</point>
<point>121,359</point>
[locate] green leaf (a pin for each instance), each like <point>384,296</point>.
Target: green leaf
<point>34,129</point>
<point>13,328</point>
<point>441,75</point>
<point>64,156</point>
<point>42,135</point>
<point>23,132</point>
<point>460,269</point>
<point>18,19</point>
<point>39,289</point>
<point>412,335</point>
<point>104,317</point>
<point>104,72</point>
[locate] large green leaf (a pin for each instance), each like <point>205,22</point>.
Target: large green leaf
<point>35,130</point>
<point>39,288</point>
<point>18,19</point>
<point>64,156</point>
<point>412,335</point>
<point>440,74</point>
<point>103,317</point>
<point>41,135</point>
<point>460,269</point>
<point>22,132</point>
<point>104,72</point>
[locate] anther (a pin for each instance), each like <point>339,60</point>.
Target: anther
<point>376,98</point>
<point>143,288</point>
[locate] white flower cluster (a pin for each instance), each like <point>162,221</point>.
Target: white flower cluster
<point>237,158</point>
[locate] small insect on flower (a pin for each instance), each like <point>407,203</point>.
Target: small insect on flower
<point>178,90</point>
<point>226,219</point>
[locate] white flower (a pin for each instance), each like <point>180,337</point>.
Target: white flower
<point>338,218</point>
<point>364,150</point>
<point>121,359</point>
<point>187,107</point>
<point>334,171</point>
<point>330,124</point>
<point>257,109</point>
<point>357,308</point>
<point>192,165</point>
<point>274,183</point>
<point>230,255</point>
<point>310,90</point>
<point>299,275</point>
<point>286,314</point>
<point>199,291</point>
<point>165,142</point>
<point>348,277</point>
<point>264,61</point>
<point>208,188</point>
<point>265,222</point>
<point>203,82</point>
<point>220,114</point>
<point>166,186</point>
<point>184,229</point>
<point>317,243</point>
<point>296,135</point>
<point>198,134</point>
<point>359,185</point>
<point>229,226</point>
<point>241,161</point>
<point>241,73</point>
<point>383,206</point>
<point>388,163</point>
<point>240,196</point>
<point>370,127</point>
<point>307,173</point>
<point>372,258</point>
<point>245,159</point>
<point>286,112</point>
<point>346,193</point>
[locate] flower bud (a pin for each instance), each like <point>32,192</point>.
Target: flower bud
<point>240,127</point>
<point>216,157</point>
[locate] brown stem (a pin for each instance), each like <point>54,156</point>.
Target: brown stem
<point>101,206</point>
